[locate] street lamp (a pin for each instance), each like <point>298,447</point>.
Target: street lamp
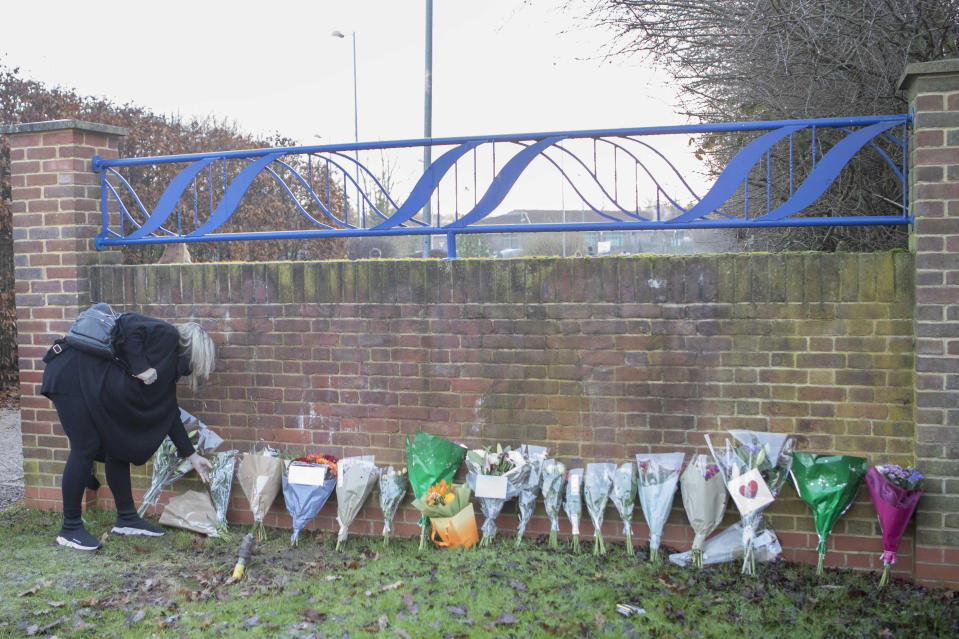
<point>356,117</point>
<point>428,117</point>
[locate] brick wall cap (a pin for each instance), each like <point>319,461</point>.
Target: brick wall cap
<point>936,67</point>
<point>62,125</point>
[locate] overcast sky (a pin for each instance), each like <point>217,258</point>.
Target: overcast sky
<point>499,66</point>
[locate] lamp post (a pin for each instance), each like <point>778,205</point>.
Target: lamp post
<point>428,117</point>
<point>356,118</point>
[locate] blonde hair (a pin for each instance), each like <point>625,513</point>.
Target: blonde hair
<point>199,345</point>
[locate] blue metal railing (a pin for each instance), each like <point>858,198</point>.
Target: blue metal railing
<point>617,175</point>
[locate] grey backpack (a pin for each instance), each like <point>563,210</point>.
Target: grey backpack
<point>92,332</point>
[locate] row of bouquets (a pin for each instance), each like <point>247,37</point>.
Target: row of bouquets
<point>751,468</point>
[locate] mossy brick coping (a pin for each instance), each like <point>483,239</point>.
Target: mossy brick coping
<point>934,68</point>
<point>756,278</point>
<point>61,125</point>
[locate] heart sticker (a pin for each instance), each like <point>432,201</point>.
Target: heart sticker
<point>749,490</point>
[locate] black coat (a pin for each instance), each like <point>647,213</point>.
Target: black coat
<point>131,417</point>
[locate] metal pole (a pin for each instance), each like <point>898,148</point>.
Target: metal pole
<point>356,138</point>
<point>428,117</point>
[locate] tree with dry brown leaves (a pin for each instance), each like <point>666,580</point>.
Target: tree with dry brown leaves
<point>264,207</point>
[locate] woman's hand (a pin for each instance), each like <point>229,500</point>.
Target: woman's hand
<point>202,466</point>
<point>148,376</point>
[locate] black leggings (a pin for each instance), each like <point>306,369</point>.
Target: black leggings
<point>85,448</point>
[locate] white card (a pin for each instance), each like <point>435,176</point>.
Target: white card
<point>750,492</point>
<point>308,475</point>
<point>491,486</point>
<point>574,483</point>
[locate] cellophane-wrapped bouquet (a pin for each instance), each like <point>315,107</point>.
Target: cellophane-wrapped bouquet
<point>553,483</point>
<point>168,466</point>
<point>658,479</point>
<point>222,465</point>
<point>828,483</point>
<point>704,499</point>
<point>597,483</point>
<point>430,459</point>
<point>392,492</point>
<point>355,479</point>
<point>526,502</point>
<point>261,477</point>
<point>482,463</point>
<point>623,496</point>
<point>450,513</point>
<point>573,504</point>
<point>895,492</point>
<point>307,485</point>
<point>770,456</point>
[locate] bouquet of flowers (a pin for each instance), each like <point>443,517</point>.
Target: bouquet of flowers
<point>553,480</point>
<point>754,471</point>
<point>221,485</point>
<point>573,505</point>
<point>168,466</point>
<point>354,483</point>
<point>704,499</point>
<point>623,496</point>
<point>431,459</point>
<point>597,483</point>
<point>658,479</point>
<point>260,476</point>
<point>307,485</point>
<point>495,477</point>
<point>193,511</point>
<point>392,492</point>
<point>828,483</point>
<point>450,513</point>
<point>895,492</point>
<point>526,501</point>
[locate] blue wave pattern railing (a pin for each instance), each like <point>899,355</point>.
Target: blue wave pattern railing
<point>617,174</point>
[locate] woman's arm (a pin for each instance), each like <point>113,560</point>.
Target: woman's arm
<point>184,447</point>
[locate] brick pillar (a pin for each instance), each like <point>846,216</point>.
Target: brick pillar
<point>933,92</point>
<point>56,215</point>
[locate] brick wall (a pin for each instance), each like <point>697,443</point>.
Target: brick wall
<point>596,358</point>
<point>933,91</point>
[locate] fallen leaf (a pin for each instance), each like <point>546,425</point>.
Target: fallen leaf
<point>56,604</point>
<point>402,633</point>
<point>517,585</point>
<point>30,591</point>
<point>457,610</point>
<point>141,549</point>
<point>251,622</point>
<point>383,622</point>
<point>314,615</point>
<point>505,618</point>
<point>333,577</point>
<point>392,586</point>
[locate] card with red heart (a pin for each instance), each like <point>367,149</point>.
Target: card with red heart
<point>750,492</point>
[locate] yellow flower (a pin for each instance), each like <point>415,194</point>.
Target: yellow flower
<point>449,497</point>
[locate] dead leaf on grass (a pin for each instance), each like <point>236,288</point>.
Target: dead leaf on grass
<point>411,604</point>
<point>402,633</point>
<point>29,591</point>
<point>313,615</point>
<point>383,622</point>
<point>505,619</point>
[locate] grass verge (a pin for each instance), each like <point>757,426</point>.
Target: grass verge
<point>179,585</point>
